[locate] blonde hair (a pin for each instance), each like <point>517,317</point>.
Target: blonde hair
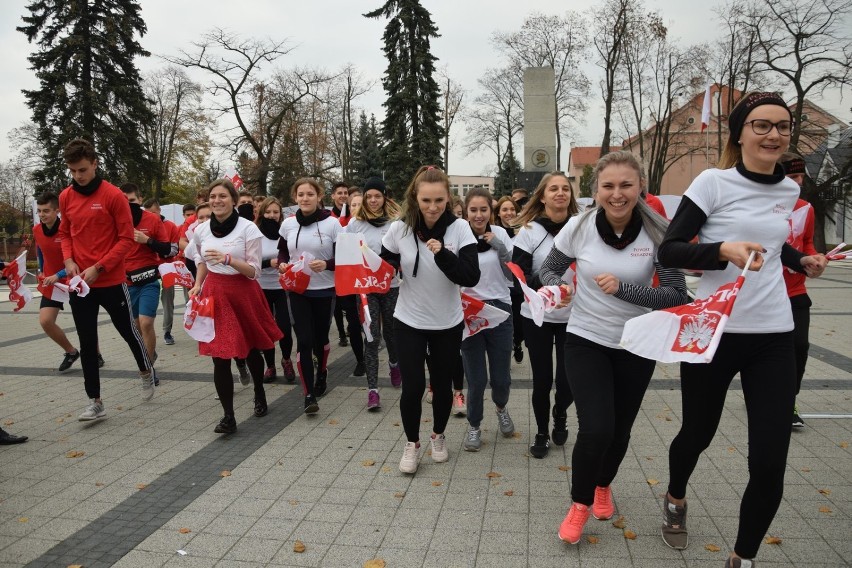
<point>425,174</point>
<point>265,205</point>
<point>390,210</point>
<point>535,206</point>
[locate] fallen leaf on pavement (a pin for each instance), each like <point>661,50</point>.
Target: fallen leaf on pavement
<point>491,474</point>
<point>825,492</point>
<point>564,468</point>
<point>619,523</point>
<point>732,449</point>
<point>508,493</point>
<point>75,566</point>
<point>593,539</point>
<point>806,469</point>
<point>399,494</point>
<point>516,434</point>
<point>652,482</point>
<point>629,534</point>
<point>119,408</point>
<point>825,510</point>
<point>396,423</point>
<point>437,483</point>
<point>293,502</point>
<point>368,463</point>
<point>75,454</point>
<point>844,445</point>
<point>375,563</point>
<point>772,540</point>
<point>712,548</point>
<point>60,420</point>
<point>225,473</point>
<point>299,546</point>
<point>333,422</point>
<point>8,422</point>
<point>23,520</point>
<point>99,484</point>
<point>184,530</point>
<point>141,486</point>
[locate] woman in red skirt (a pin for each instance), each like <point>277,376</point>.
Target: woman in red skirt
<point>228,248</point>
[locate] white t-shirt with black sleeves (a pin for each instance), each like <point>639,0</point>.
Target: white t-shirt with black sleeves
<point>535,240</point>
<point>429,300</point>
<point>372,238</point>
<point>243,243</point>
<point>597,316</point>
<point>739,209</point>
<point>492,280</point>
<point>318,239</point>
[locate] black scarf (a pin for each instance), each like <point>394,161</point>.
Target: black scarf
<point>246,211</point>
<point>425,234</point>
<point>224,228</point>
<point>766,179</point>
<point>510,230</point>
<point>52,230</point>
<point>136,213</point>
<point>269,228</point>
<point>318,215</point>
<point>551,227</point>
<point>336,211</point>
<point>378,221</point>
<point>481,244</point>
<point>89,188</point>
<point>631,231</point>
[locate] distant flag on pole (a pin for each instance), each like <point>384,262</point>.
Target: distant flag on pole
<point>705,108</point>
<point>232,174</point>
<point>688,333</point>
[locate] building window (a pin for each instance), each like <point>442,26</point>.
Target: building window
<point>690,120</point>
<point>805,117</point>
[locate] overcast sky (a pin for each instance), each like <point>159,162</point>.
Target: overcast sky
<point>331,33</point>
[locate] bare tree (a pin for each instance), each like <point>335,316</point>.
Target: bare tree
<point>611,25</point>
<point>453,96</point>
<point>559,42</point>
<point>807,44</point>
<point>348,86</point>
<point>495,118</point>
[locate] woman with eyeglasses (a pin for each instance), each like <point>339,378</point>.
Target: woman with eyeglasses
<point>743,207</point>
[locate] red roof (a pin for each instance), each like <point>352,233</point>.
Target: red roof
<point>584,155</point>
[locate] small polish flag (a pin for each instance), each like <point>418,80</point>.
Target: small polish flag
<point>297,276</point>
<point>198,319</point>
<point>14,273</point>
<point>57,292</point>
<point>174,273</point>
<point>531,297</point>
<point>358,269</point>
<point>705,108</point>
<point>478,316</point>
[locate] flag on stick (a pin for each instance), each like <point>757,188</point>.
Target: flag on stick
<point>478,316</point>
<point>198,319</point>
<point>688,333</point>
<point>14,273</point>
<point>174,273</point>
<point>705,108</point>
<point>365,317</point>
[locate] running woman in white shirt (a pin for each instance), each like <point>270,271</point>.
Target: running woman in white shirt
<point>436,253</point>
<point>614,247</point>
<point>740,208</point>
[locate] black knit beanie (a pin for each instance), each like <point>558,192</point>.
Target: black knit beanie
<point>376,183</point>
<point>794,166</point>
<point>736,120</point>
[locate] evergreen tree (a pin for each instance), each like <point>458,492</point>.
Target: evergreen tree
<point>367,155</point>
<point>412,128</point>
<point>507,175</point>
<point>89,86</point>
<point>586,181</point>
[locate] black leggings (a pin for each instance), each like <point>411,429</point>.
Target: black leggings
<point>540,342</point>
<point>223,378</point>
<point>277,300</point>
<point>443,346</point>
<point>766,365</point>
<point>801,306</point>
<point>608,386</point>
<point>456,371</point>
<point>311,317</point>
<point>338,317</point>
<point>350,306</point>
<point>116,301</point>
<point>517,318</point>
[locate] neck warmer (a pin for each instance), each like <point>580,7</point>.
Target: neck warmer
<point>89,188</point>
<point>425,234</point>
<point>551,227</point>
<point>136,213</point>
<point>336,211</point>
<point>269,228</point>
<point>510,230</point>
<point>304,220</point>
<point>766,179</point>
<point>481,244</point>
<point>378,221</point>
<point>631,231</point>
<point>49,232</point>
<point>246,211</point>
<point>224,228</point>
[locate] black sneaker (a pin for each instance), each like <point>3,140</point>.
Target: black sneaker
<point>541,446</point>
<point>228,425</point>
<point>68,360</point>
<point>260,408</point>
<point>519,353</point>
<point>560,429</point>
<point>101,361</point>
<point>321,383</point>
<point>343,342</point>
<point>311,406</point>
<point>168,339</point>
<point>156,377</point>
<point>797,420</point>
<point>360,369</point>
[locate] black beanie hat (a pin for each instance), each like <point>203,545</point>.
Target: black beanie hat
<point>793,166</point>
<point>375,183</point>
<point>736,120</point>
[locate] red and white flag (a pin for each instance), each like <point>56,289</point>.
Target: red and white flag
<point>705,108</point>
<point>688,333</point>
<point>14,273</point>
<point>358,269</point>
<point>58,292</point>
<point>835,254</point>
<point>479,316</point>
<point>198,319</point>
<point>364,316</point>
<point>297,275</point>
<point>232,174</point>
<point>174,273</point>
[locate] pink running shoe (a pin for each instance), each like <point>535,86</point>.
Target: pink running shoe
<point>373,401</point>
<point>459,405</point>
<point>602,508</point>
<point>395,376</point>
<point>571,528</point>
<point>289,373</point>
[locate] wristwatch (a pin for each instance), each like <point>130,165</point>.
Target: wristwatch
<point>100,268</point>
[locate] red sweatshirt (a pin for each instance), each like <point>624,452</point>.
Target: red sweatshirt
<point>801,238</point>
<point>97,229</point>
<point>141,255</point>
<point>173,232</point>
<point>51,249</point>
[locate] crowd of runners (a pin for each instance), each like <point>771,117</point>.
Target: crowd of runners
<point>601,267</point>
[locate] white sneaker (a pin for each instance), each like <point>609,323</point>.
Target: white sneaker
<point>148,387</point>
<point>94,411</point>
<point>408,463</point>
<point>439,448</point>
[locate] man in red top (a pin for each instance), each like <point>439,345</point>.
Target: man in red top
<point>167,296</point>
<point>97,235</point>
<point>801,238</point>
<point>143,278</point>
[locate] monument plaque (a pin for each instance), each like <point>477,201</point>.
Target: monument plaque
<point>539,119</point>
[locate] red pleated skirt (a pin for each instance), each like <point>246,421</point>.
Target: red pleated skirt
<point>241,317</point>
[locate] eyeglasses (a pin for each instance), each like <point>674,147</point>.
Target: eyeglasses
<point>784,127</point>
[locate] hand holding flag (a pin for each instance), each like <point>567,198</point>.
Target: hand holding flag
<point>296,276</point>
<point>358,269</point>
